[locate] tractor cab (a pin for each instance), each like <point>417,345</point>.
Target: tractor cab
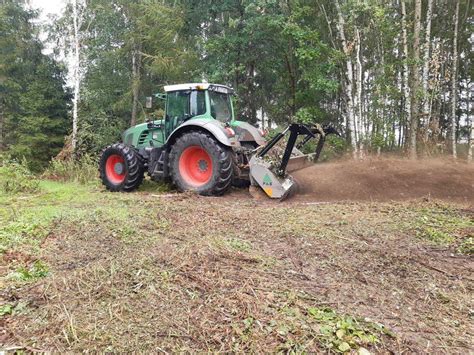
<point>202,105</point>
<point>197,101</point>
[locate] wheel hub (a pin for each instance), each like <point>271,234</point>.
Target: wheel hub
<point>119,168</point>
<point>202,165</point>
<point>115,169</point>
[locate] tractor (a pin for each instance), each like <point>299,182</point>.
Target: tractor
<point>199,145</point>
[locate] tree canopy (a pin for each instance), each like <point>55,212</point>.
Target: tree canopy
<point>390,75</point>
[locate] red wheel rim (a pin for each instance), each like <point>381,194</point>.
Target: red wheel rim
<point>115,169</point>
<point>195,166</point>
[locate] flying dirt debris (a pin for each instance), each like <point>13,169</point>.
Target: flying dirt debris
<point>200,146</point>
<point>387,179</point>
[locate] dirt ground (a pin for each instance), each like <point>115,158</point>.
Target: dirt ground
<point>339,265</point>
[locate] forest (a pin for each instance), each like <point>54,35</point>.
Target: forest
<point>392,76</point>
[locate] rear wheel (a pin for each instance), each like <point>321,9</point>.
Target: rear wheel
<point>199,163</point>
<point>121,168</point>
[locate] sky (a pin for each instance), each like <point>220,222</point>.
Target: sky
<point>47,7</point>
<point>50,7</point>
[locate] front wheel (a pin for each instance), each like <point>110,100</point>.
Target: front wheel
<point>199,163</point>
<point>121,168</point>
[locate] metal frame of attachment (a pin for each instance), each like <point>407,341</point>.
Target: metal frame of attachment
<point>295,129</point>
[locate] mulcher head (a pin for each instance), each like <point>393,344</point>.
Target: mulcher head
<point>261,174</point>
<point>273,176</point>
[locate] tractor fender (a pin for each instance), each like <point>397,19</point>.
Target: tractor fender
<point>246,132</point>
<point>215,128</point>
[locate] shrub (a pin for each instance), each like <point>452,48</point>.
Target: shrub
<point>83,170</point>
<point>15,177</point>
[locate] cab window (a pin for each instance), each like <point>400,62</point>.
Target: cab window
<point>220,106</point>
<point>198,103</point>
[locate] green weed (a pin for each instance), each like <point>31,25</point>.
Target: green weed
<point>441,226</point>
<point>15,177</point>
<point>238,244</point>
<point>6,309</point>
<point>342,333</point>
<point>83,171</point>
<point>37,270</point>
<point>466,246</point>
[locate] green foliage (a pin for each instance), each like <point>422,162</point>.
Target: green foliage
<point>444,227</point>
<point>466,246</point>
<point>27,221</point>
<point>342,333</point>
<point>16,178</point>
<point>83,170</point>
<point>33,101</point>
<point>6,309</point>
<point>239,245</point>
<point>35,271</point>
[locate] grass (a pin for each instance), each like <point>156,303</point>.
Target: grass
<point>87,270</point>
<point>445,226</point>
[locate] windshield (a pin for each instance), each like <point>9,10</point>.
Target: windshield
<point>221,108</point>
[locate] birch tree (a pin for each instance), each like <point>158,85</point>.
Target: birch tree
<point>348,87</point>
<point>470,125</point>
<point>358,95</point>
<point>406,69</point>
<point>415,80</point>
<point>426,66</point>
<point>76,66</point>
<point>136,74</point>
<point>454,81</point>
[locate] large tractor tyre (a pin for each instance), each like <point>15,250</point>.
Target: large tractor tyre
<point>121,168</point>
<point>199,163</point>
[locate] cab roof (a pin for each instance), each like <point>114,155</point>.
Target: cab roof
<point>200,86</point>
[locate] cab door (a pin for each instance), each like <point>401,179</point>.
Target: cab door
<point>182,106</point>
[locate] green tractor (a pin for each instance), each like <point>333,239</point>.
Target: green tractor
<point>200,146</point>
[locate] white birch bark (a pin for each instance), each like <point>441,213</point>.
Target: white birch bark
<point>76,74</point>
<point>426,68</point>
<point>415,81</point>
<point>1,125</point>
<point>454,81</point>
<point>406,69</point>
<point>470,142</point>
<point>348,87</point>
<point>136,59</point>
<point>358,96</point>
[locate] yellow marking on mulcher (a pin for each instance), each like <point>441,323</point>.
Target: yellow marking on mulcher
<point>268,191</point>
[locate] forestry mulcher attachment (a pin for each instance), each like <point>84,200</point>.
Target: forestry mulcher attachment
<point>200,146</point>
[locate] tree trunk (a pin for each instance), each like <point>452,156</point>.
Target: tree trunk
<point>136,71</point>
<point>358,96</point>
<point>406,69</point>
<point>2,123</point>
<point>454,81</point>
<point>349,80</point>
<point>76,76</point>
<point>470,125</point>
<point>415,80</point>
<point>426,68</point>
<point>470,142</point>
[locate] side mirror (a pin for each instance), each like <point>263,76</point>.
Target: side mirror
<point>149,102</point>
